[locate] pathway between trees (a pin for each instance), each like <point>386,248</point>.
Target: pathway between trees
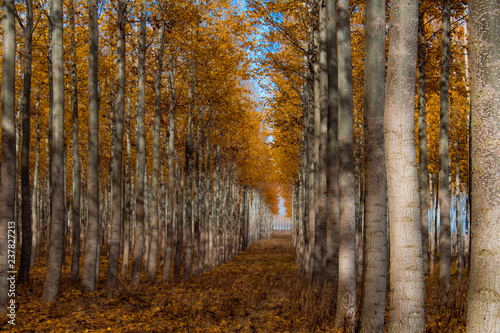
<point>251,293</point>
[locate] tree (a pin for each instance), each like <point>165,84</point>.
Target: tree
<point>75,261</point>
<point>332,172</point>
<point>56,246</point>
<point>116,163</point>
<point>376,258</point>
<point>153,253</point>
<point>406,268</point>
<point>422,138</point>
<point>8,168</point>
<point>444,125</point>
<point>24,269</point>
<point>171,180</point>
<point>141,152</point>
<point>345,315</point>
<point>188,188</point>
<point>483,310</point>
<point>89,268</point>
<point>321,225</point>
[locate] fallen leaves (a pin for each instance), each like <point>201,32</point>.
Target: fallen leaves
<point>258,291</point>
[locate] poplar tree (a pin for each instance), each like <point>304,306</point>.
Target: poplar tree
<point>483,307</point>
<point>407,312</point>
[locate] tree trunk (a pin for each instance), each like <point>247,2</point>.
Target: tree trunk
<point>306,154</point>
<point>117,159</point>
<point>346,299</point>
<point>444,124</point>
<point>56,246</point>
<point>322,225</point>
<point>197,262</point>
<point>8,168</point>
<point>407,313</point>
<point>179,225</point>
<point>147,220</point>
<point>203,210</point>
<point>171,166</point>
<point>460,231</point>
<point>376,252</point>
<point>127,200</point>
<point>311,133</point>
<point>208,208</point>
<point>50,129</point>
<point>188,197</point>
<point>89,268</point>
<point>483,309</point>
<point>141,152</point>
<point>36,194</point>
<point>75,260</point>
<point>153,251</point>
<point>422,139</point>
<point>24,269</point>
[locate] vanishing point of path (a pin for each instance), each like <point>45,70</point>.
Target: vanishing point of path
<point>250,293</point>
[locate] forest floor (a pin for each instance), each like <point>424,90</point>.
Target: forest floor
<point>260,290</point>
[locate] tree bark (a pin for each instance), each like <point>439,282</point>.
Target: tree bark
<point>197,261</point>
<point>153,251</point>
<point>422,139</point>
<point>117,157</point>
<point>407,312</point>
<point>376,252</point>
<point>483,309</point>
<point>8,168</point>
<point>179,223</point>
<point>89,268</point>
<point>332,172</point>
<point>311,133</point>
<point>56,246</point>
<point>322,225</point>
<point>75,209</point>
<point>141,152</point>
<point>36,194</point>
<point>171,176</point>
<point>24,269</point>
<point>444,124</point>
<point>127,197</point>
<point>188,196</point>
<point>346,299</point>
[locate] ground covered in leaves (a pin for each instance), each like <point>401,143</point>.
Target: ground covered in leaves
<point>260,290</point>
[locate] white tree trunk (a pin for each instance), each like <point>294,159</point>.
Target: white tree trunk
<point>483,312</point>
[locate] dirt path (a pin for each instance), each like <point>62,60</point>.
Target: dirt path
<point>248,294</point>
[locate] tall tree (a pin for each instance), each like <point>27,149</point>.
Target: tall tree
<point>24,269</point>
<point>141,152</point>
<point>89,267</point>
<point>422,138</point>
<point>332,172</point>
<point>36,194</point>
<point>8,168</point>
<point>322,224</point>
<point>376,256</point>
<point>406,268</point>
<point>58,199</point>
<point>127,218</point>
<point>345,315</point>
<point>75,261</point>
<point>188,197</point>
<point>444,125</point>
<point>171,165</point>
<point>117,158</point>
<point>153,251</point>
<point>483,309</point>
<point>179,222</point>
